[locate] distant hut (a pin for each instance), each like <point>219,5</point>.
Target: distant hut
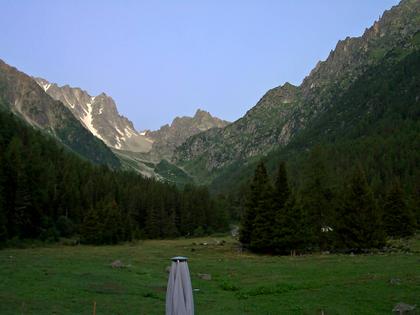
<point>326,229</point>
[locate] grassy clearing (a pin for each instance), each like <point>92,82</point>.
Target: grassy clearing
<point>66,279</point>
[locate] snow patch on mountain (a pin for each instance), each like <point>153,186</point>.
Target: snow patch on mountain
<point>87,120</point>
<point>119,131</point>
<point>45,86</point>
<point>128,132</point>
<point>68,102</point>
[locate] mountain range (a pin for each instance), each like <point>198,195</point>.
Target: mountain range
<point>100,116</point>
<point>330,107</point>
<point>92,126</point>
<point>286,113</point>
<point>21,95</point>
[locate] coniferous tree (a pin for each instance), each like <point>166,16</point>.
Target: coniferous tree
<point>281,187</point>
<point>251,204</point>
<point>3,215</point>
<point>316,200</point>
<point>12,165</point>
<point>200,210</point>
<point>221,216</point>
<point>92,228</point>
<point>281,195</point>
<point>399,221</point>
<point>21,207</point>
<point>154,222</point>
<point>359,223</point>
<point>185,215</point>
<point>65,226</point>
<point>287,224</point>
<point>169,225</point>
<point>113,223</point>
<point>262,199</point>
<point>415,203</point>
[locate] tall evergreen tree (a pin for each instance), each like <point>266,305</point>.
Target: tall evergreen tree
<point>257,225</point>
<point>399,221</point>
<point>316,199</point>
<point>154,222</point>
<point>3,216</point>
<point>359,223</point>
<point>92,228</point>
<point>221,216</point>
<point>255,195</point>
<point>415,202</point>
<point>169,229</point>
<point>113,223</point>
<point>287,223</point>
<point>281,187</point>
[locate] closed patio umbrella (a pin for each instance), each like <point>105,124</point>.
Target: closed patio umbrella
<point>179,299</point>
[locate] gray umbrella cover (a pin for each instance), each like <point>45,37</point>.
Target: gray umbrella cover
<point>179,298</point>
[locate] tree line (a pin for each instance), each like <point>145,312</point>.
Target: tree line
<point>46,192</point>
<point>279,220</point>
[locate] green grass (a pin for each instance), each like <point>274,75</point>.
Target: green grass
<point>67,279</point>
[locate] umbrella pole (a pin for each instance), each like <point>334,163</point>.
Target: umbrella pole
<point>179,295</point>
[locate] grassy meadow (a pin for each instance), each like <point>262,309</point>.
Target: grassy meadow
<point>62,279</point>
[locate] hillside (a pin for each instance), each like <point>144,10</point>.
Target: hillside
<point>375,123</point>
<point>287,113</point>
<point>21,95</point>
<point>99,115</point>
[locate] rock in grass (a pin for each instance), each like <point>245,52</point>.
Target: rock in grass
<point>402,308</point>
<point>117,264</point>
<point>204,276</point>
<point>395,281</point>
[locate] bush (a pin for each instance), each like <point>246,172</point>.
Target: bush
<point>228,286</point>
<point>198,232</point>
<point>65,226</point>
<point>49,235</point>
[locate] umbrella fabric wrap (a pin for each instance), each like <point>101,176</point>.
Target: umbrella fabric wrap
<point>179,299</point>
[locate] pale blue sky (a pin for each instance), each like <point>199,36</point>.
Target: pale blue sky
<point>161,59</point>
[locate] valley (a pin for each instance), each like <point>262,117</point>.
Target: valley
<point>67,279</point>
<point>307,204</point>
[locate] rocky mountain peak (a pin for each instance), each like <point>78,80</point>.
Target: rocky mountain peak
<point>99,114</point>
<point>28,100</point>
<point>168,137</point>
<point>353,54</point>
<point>201,113</point>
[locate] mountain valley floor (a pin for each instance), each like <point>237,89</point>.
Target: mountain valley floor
<point>63,279</point>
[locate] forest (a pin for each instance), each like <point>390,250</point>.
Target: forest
<point>368,136</point>
<point>278,220</point>
<point>48,192</point>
